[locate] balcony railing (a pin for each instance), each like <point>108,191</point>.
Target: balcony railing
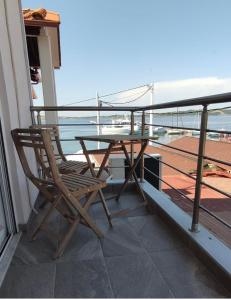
<point>203,103</point>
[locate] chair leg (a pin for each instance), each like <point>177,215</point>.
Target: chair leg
<point>93,226</point>
<point>71,230</point>
<point>91,199</point>
<point>66,239</point>
<point>105,207</point>
<point>46,217</point>
<point>82,210</point>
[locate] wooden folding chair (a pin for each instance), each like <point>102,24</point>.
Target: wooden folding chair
<point>63,191</point>
<point>65,166</point>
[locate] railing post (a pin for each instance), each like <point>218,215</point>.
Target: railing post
<point>142,158</point>
<point>201,150</point>
<point>32,117</point>
<point>151,111</point>
<point>98,117</point>
<point>132,132</point>
<point>39,118</point>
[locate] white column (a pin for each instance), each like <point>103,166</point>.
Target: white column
<point>15,101</point>
<point>47,73</point>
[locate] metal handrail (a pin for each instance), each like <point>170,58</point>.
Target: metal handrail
<point>80,124</point>
<point>84,108</point>
<point>205,100</point>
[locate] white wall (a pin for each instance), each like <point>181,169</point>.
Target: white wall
<point>15,99</point>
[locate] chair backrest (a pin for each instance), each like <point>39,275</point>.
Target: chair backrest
<point>40,154</point>
<point>55,136</point>
<point>38,140</point>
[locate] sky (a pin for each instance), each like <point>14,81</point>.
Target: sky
<point>183,46</point>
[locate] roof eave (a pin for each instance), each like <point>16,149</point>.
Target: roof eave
<point>41,23</point>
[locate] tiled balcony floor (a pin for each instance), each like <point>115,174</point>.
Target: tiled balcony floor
<point>139,257</point>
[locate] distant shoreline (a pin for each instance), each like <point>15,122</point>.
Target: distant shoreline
<point>188,112</point>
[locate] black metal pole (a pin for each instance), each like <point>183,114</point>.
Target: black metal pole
<point>201,150</point>
<point>142,157</point>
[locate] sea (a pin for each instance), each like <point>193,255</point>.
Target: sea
<point>73,126</point>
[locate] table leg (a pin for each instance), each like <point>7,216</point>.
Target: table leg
<point>97,175</point>
<point>85,152</point>
<point>132,169</point>
<point>134,173</point>
<point>105,159</point>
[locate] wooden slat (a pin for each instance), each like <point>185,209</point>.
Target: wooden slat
<point>25,130</point>
<point>32,145</point>
<point>82,179</point>
<point>74,185</point>
<point>77,181</point>
<point>68,164</point>
<point>35,138</point>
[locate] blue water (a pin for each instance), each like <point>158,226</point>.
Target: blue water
<point>191,120</point>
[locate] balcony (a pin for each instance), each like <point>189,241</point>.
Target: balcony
<point>140,257</point>
<point>177,246</point>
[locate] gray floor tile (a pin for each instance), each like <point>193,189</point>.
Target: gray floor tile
<point>154,234</point>
<point>29,281</point>
<point>186,275</point>
<point>98,211</point>
<point>34,252</point>
<point>82,279</point>
<point>201,290</point>
<point>173,258</point>
<point>136,277</point>
<point>52,223</point>
<point>131,201</point>
<point>120,239</point>
<point>41,249</point>
<point>144,257</point>
<point>127,201</point>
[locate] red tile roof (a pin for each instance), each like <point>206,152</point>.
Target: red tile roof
<point>40,17</point>
<point>215,149</point>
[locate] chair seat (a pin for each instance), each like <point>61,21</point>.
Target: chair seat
<point>105,175</point>
<point>82,183</point>
<point>70,166</point>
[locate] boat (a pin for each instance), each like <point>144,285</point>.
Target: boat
<point>176,132</point>
<point>120,126</point>
<point>196,133</point>
<point>159,130</point>
<point>213,135</point>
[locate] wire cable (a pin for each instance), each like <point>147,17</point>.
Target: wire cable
<point>122,91</point>
<point>130,101</point>
<point>81,101</point>
<point>107,95</point>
